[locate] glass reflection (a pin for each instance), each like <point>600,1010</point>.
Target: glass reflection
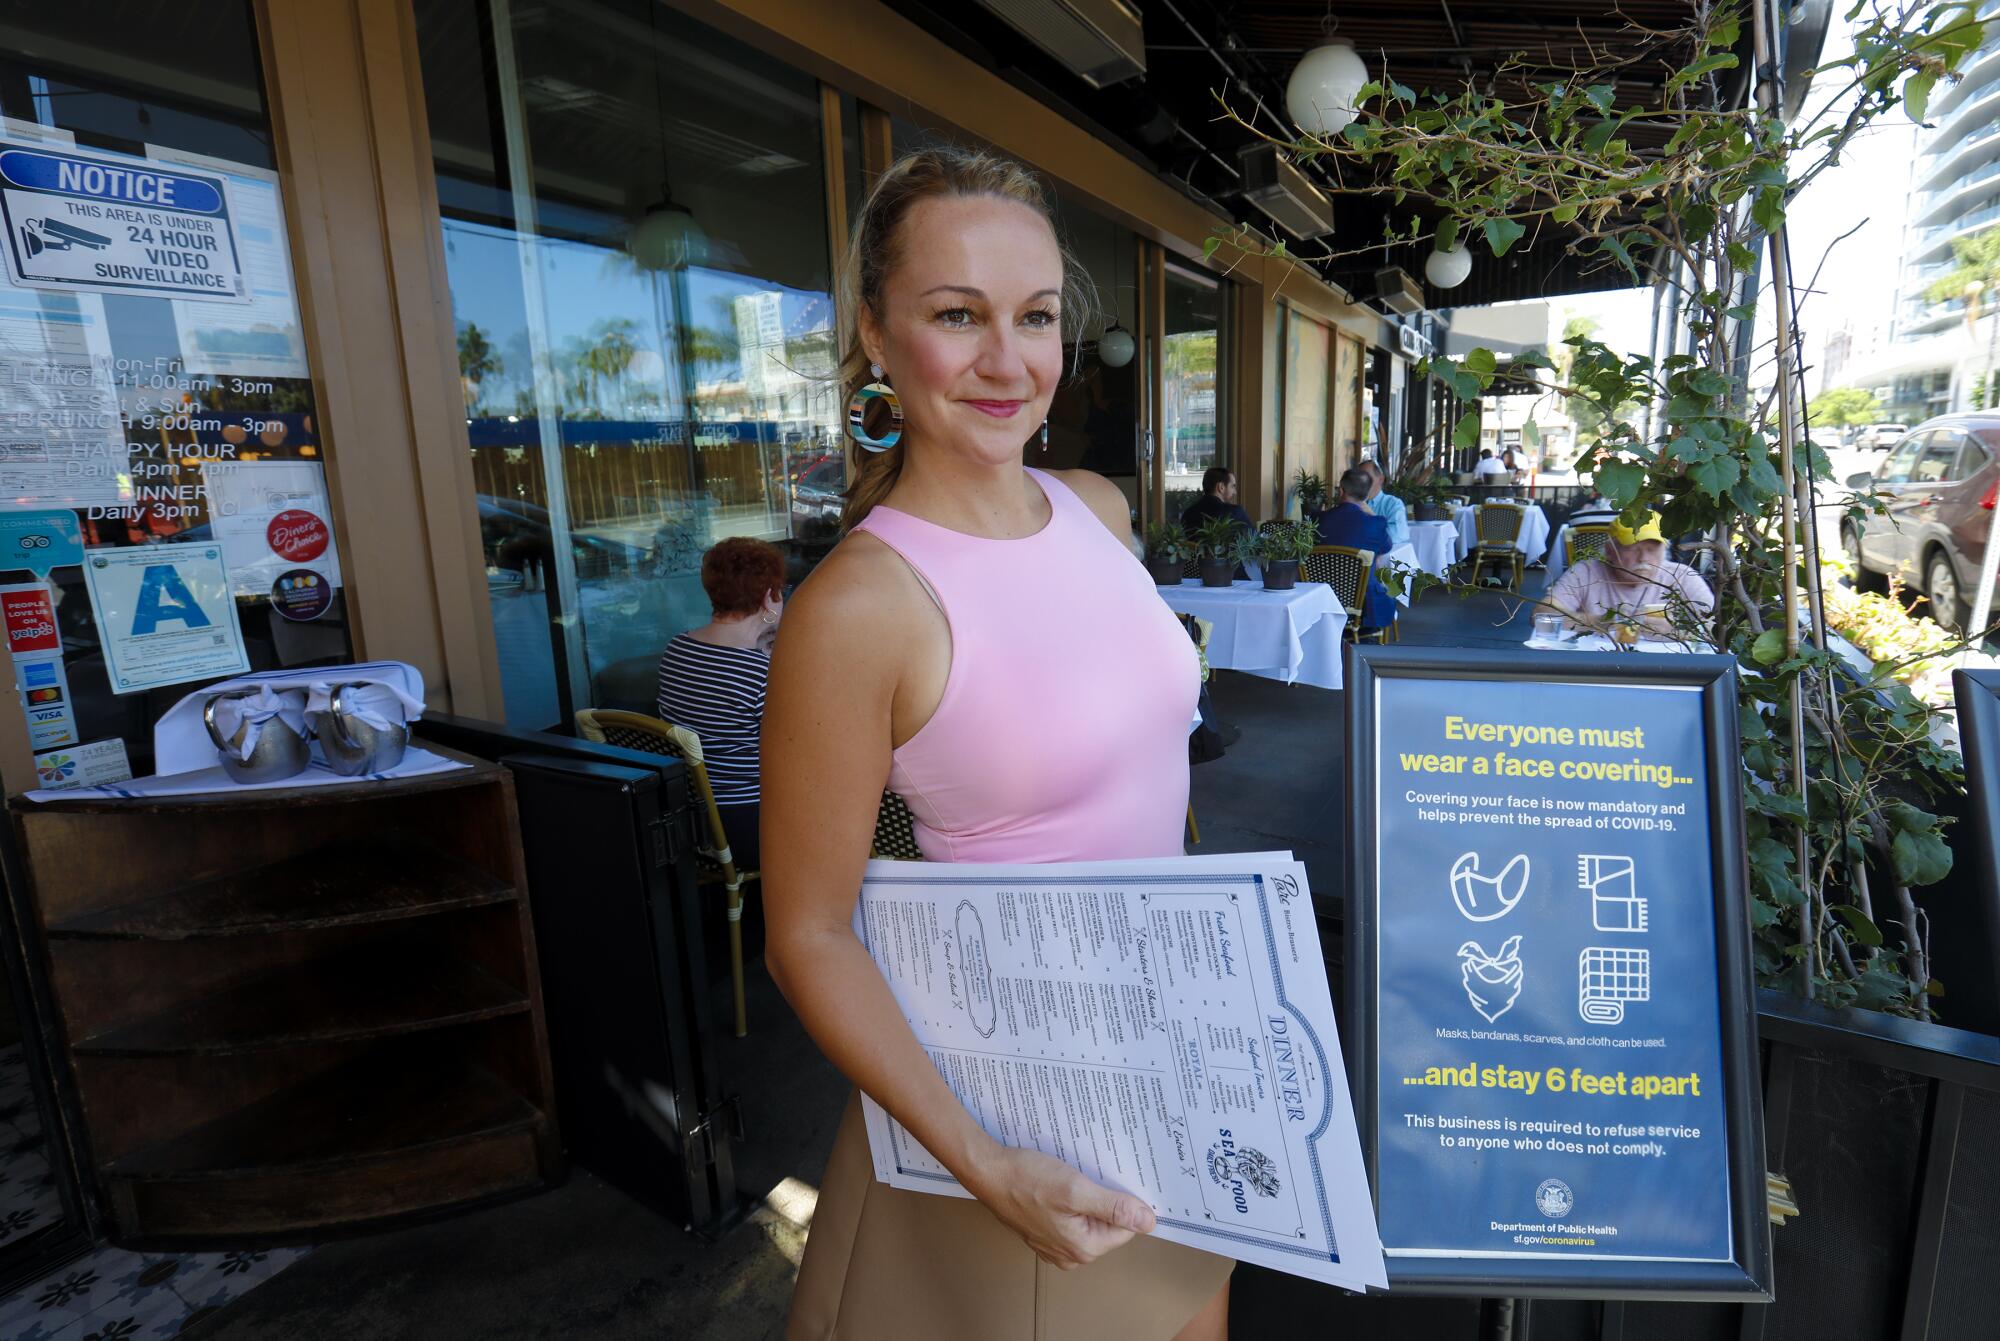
<point>634,228</point>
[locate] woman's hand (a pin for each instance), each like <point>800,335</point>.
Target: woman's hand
<point>1067,1220</point>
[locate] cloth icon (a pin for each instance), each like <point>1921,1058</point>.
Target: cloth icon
<point>1606,979</point>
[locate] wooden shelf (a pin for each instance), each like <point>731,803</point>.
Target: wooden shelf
<point>372,991</point>
<point>375,1109</point>
<point>392,877</point>
<point>296,1010</point>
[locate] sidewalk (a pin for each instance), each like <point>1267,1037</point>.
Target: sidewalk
<point>584,1260</point>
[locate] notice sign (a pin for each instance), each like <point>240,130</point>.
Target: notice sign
<point>165,615</point>
<point>1550,964</point>
<point>108,223</point>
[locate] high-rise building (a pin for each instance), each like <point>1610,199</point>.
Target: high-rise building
<point>1936,356</point>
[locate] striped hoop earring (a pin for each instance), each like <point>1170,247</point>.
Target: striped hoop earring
<point>1045,432</point>
<point>857,411</point>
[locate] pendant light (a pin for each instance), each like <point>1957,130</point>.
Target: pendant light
<point>1115,346</point>
<point>666,236</point>
<point>1447,268</point>
<point>1320,94</point>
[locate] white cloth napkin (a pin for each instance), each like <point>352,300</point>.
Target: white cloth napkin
<point>257,709</point>
<point>379,703</point>
<point>181,744</point>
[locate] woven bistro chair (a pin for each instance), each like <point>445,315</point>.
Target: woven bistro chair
<point>1500,540</point>
<point>1584,542</point>
<point>1346,570</point>
<point>713,862</point>
<point>895,832</point>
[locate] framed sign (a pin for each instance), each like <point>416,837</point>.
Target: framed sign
<point>1551,1009</point>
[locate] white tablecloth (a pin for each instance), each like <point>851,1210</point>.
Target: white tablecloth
<point>1598,642</point>
<point>1534,538</point>
<point>1403,556</point>
<point>1293,636</point>
<point>1438,546</point>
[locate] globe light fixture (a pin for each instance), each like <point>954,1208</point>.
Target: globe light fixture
<point>1320,94</point>
<point>667,236</point>
<point>1115,347</point>
<point>1447,269</point>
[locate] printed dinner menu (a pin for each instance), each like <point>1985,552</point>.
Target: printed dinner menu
<point>1164,1026</point>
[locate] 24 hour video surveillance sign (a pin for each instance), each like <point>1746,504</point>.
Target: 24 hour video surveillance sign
<point>1551,970</point>
<point>107,223</point>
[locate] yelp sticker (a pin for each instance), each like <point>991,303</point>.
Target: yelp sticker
<point>297,536</point>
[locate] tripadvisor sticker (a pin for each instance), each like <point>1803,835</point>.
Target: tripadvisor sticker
<point>301,594</point>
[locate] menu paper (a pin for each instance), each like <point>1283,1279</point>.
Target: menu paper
<point>1163,1026</point>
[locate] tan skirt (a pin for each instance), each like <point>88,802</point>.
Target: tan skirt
<point>882,1264</point>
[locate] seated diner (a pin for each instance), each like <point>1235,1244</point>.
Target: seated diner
<point>1633,585</point>
<point>1351,523</point>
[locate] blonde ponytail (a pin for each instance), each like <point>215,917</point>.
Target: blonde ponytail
<point>942,172</point>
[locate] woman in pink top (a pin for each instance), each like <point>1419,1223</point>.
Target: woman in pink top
<point>984,642</point>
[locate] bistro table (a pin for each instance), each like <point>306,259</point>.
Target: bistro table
<point>1600,642</point>
<point>1293,636</point>
<point>1438,546</point>
<point>1403,556</point>
<point>1534,538</point>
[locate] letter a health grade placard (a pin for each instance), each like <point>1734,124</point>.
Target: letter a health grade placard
<point>1551,1005</point>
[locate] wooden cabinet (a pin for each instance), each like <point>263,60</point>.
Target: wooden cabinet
<point>293,1010</point>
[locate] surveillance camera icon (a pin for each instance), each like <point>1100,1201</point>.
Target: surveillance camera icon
<point>1484,898</point>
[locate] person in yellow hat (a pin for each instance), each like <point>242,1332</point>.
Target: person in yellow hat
<point>1633,586</point>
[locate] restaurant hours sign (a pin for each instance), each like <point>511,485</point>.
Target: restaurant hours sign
<point>1549,974</point>
<point>108,223</point>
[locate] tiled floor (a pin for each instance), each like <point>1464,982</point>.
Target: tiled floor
<point>111,1294</point>
<point>115,1295</point>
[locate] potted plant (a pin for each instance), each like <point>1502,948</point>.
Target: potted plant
<point>1216,544</point>
<point>1428,500</point>
<point>1312,492</point>
<point>1167,548</point>
<point>1280,548</point>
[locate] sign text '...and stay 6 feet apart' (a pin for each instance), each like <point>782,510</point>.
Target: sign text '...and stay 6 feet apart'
<point>1550,997</point>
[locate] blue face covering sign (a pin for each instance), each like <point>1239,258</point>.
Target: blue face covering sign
<point>1550,1078</point>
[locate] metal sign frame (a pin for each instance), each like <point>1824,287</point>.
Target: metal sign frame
<point>1748,1276</point>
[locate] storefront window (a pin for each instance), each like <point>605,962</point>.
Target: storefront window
<point>163,506</point>
<point>1192,408</point>
<point>635,235</point>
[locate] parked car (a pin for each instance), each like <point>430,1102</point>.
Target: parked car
<point>1880,437</point>
<point>1939,485</point>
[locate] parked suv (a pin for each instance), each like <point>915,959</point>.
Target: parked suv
<point>1939,485</point>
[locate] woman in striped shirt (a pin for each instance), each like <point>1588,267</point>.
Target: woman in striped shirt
<point>712,678</point>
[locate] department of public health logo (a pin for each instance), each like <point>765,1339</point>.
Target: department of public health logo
<point>1242,1167</point>
<point>1554,1199</point>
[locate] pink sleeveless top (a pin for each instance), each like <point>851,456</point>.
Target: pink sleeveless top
<point>1062,731</point>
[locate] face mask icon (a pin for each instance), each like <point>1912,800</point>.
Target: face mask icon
<point>1492,982</point>
<point>1482,898</point>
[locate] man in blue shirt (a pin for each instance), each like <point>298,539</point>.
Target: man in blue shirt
<point>1350,523</point>
<point>1387,506</point>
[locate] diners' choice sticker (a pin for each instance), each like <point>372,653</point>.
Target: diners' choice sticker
<point>297,536</point>
<point>301,594</point>
<point>1550,1079</point>
<point>108,223</point>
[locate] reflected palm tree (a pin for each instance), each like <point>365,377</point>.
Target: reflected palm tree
<point>477,361</point>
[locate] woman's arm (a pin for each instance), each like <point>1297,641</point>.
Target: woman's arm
<point>848,639</point>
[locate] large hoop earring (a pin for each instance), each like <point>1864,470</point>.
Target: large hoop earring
<point>857,410</point>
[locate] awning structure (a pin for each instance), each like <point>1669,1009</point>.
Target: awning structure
<point>1168,116</point>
